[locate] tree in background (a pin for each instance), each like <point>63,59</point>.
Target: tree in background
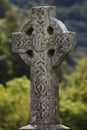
<point>74,97</point>
<point>14,104</point>
<point>5,55</point>
<point>4,7</point>
<point>9,62</point>
<point>71,12</point>
<point>15,100</point>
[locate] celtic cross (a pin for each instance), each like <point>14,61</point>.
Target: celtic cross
<point>43,43</point>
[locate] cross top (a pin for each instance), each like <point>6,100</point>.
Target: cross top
<point>42,32</point>
<point>42,43</point>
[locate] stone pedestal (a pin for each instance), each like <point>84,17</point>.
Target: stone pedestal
<point>45,127</point>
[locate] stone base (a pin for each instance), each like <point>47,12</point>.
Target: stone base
<point>45,127</point>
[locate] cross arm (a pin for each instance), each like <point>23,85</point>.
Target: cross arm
<point>21,42</point>
<point>65,43</point>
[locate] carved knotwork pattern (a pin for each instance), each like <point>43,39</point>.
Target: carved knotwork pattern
<point>23,42</point>
<point>43,43</point>
<point>43,95</point>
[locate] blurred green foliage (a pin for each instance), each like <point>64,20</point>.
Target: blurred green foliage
<point>9,62</point>
<point>13,12</point>
<point>15,100</point>
<point>14,92</point>
<point>14,103</point>
<point>73,94</point>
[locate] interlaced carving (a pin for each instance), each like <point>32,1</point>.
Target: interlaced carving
<point>43,43</point>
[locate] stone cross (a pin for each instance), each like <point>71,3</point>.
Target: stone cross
<point>42,43</point>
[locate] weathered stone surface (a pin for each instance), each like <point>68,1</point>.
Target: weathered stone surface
<point>43,42</point>
<point>45,127</point>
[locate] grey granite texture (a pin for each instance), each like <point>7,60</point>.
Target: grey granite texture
<point>43,43</point>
